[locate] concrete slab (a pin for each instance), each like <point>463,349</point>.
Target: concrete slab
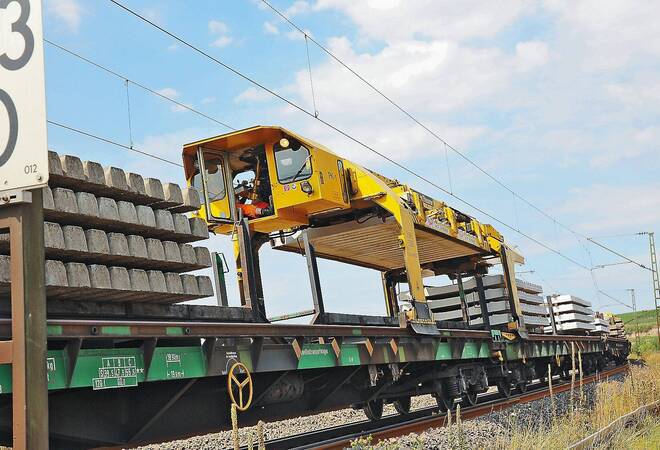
<point>53,235</point>
<point>154,188</point>
<point>5,269</point>
<point>48,201</point>
<point>65,200</point>
<point>55,273</point>
<point>137,246</point>
<point>97,241</point>
<point>72,167</point>
<point>198,228</point>
<point>118,244</point>
<point>87,204</point>
<point>172,252</point>
<point>108,208</point>
<point>203,256</point>
<point>191,201</point>
<point>181,224</point>
<point>94,172</point>
<point>155,249</point>
<point>139,280</point>
<point>74,238</point>
<point>119,278</point>
<point>164,220</point>
<point>136,183</point>
<point>205,286</point>
<point>188,255</point>
<point>156,281</point>
<point>99,276</point>
<point>115,178</point>
<point>146,216</point>
<point>77,275</point>
<point>54,164</point>
<point>127,212</point>
<point>189,283</point>
<point>173,282</point>
<point>173,193</point>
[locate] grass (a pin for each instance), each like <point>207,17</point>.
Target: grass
<point>644,322</point>
<point>614,399</point>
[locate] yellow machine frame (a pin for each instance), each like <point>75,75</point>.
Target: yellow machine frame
<point>415,234</point>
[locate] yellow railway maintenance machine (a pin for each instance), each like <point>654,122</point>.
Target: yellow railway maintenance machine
<point>266,184</point>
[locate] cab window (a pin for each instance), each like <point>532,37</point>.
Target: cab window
<point>215,180</point>
<point>293,162</point>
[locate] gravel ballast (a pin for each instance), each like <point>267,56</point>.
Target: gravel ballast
<point>477,433</point>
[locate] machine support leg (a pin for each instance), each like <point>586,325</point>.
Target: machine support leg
<point>27,349</point>
<point>314,280</point>
<point>482,301</point>
<point>552,314</point>
<point>220,281</point>
<point>391,300</point>
<point>247,263</point>
<point>461,295</point>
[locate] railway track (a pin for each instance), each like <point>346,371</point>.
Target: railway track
<point>418,421</point>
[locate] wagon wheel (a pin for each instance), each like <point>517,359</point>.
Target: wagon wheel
<point>445,403</point>
<point>470,397</point>
<point>373,409</point>
<point>504,387</point>
<point>522,387</point>
<point>402,405</point>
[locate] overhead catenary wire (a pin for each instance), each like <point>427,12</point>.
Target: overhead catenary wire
<point>137,83</point>
<point>112,142</point>
<point>433,133</point>
<point>335,128</point>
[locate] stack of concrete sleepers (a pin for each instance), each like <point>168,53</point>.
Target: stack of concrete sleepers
<point>445,302</point>
<point>617,328</point>
<point>116,236</point>
<point>601,324</point>
<point>572,314</point>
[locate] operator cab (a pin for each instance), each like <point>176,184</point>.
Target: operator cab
<point>266,174</point>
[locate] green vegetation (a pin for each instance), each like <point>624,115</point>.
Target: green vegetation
<point>645,321</point>
<point>646,344</point>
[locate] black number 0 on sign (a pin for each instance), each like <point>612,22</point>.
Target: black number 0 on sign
<point>7,102</point>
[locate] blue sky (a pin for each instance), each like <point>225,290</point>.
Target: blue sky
<point>558,100</point>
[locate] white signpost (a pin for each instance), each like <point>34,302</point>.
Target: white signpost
<point>23,142</point>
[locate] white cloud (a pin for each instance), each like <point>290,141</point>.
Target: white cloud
<point>269,28</point>
<point>252,94</point>
<point>173,47</point>
<point>220,31</point>
<point>222,41</point>
<point>637,207</point>
<point>217,27</point>
<point>532,54</point>
<point>181,108</point>
<point>393,20</point>
<point>207,100</point>
<point>298,7</point>
<point>69,12</point>
<point>168,92</point>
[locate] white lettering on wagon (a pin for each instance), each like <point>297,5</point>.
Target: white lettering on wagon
<point>116,372</point>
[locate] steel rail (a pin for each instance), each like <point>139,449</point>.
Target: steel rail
<point>418,421</point>
<point>137,329</point>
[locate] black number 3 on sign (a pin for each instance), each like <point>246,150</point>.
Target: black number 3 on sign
<point>7,102</point>
<point>21,27</point>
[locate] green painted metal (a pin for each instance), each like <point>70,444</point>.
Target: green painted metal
<point>443,352</point>
<point>314,356</point>
<point>125,367</point>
